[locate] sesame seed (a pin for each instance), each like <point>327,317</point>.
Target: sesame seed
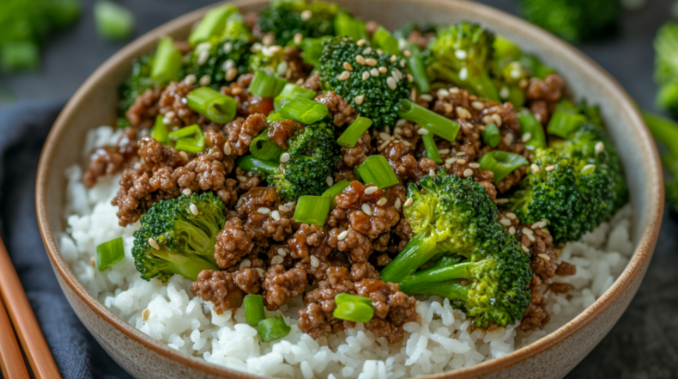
<point>474,165</point>
<point>153,244</point>
<point>241,178</point>
<point>305,15</point>
<point>359,99</point>
<point>600,147</point>
<point>282,68</point>
<point>393,58</point>
<point>264,210</point>
<point>146,314</point>
<point>315,262</point>
<point>260,271</point>
<point>539,224</point>
<point>550,168</point>
<point>504,93</point>
<point>342,236</point>
<point>268,39</point>
<point>187,191</point>
<point>360,59</point>
<point>282,252</point>
<point>245,263</point>
<point>348,66</point>
<point>525,249</point>
<point>501,201</point>
<point>410,78</point>
<point>205,80</point>
<point>297,38</point>
<point>228,46</point>
<point>487,120</point>
<point>184,156</point>
<point>479,105</point>
<point>275,215</point>
<point>330,181</point>
<point>463,113</point>
<point>461,154</point>
<point>544,257</point>
<point>497,119</point>
<point>366,75</point>
<point>391,83</point>
<point>285,157</point>
<point>344,75</point>
<point>413,94</point>
<point>527,231</point>
<point>227,148</point>
<point>231,73</point>
<point>203,57</point>
<point>468,172</point>
<point>512,230</point>
<point>463,73</point>
<point>229,64</point>
<point>409,201</point>
<point>194,209</point>
<point>508,139</point>
<point>442,93</point>
<point>406,143</point>
<point>383,70</point>
<point>277,260</point>
<point>366,209</point>
<point>443,151</point>
<point>526,137</point>
<point>92,262</point>
<point>511,215</point>
<point>397,204</point>
<point>384,136</point>
<point>360,42</point>
<point>371,62</point>
<point>461,161</point>
<point>432,173</point>
<point>403,63</point>
<point>190,79</point>
<point>422,131</point>
<point>534,168</point>
<point>426,97</point>
<point>367,51</point>
<point>538,117</point>
<point>407,53</point>
<point>283,208</point>
<point>505,222</point>
<point>236,90</point>
<point>450,160</point>
<point>170,115</point>
<point>461,54</point>
<point>374,72</point>
<point>382,201</point>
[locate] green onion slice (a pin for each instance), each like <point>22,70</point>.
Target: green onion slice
<point>337,188</point>
<point>263,148</point>
<point>347,26</point>
<point>304,110</point>
<point>383,39</point>
<point>292,90</point>
<point>312,209</point>
<point>188,131</point>
<point>352,134</point>
<point>530,124</point>
<point>348,298</point>
<point>274,116</point>
<point>167,62</point>
<point>212,24</point>
<point>250,163</point>
<point>109,253</point>
<point>431,148</point>
<point>112,20</point>
<point>254,309</point>
<point>429,120</point>
<point>266,85</point>
<point>212,104</point>
<point>189,138</point>
<point>356,311</point>
<point>159,132</point>
<point>564,121</point>
<point>312,50</point>
<point>415,63</point>
<point>272,329</point>
<point>377,171</point>
<point>501,163</point>
<point>491,135</point>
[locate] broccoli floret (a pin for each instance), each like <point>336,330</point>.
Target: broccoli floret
<point>665,132</point>
<point>286,18</point>
<point>479,266</point>
<point>314,154</point>
<point>666,70</point>
<point>573,20</point>
<point>185,238</point>
<point>271,60</point>
<point>378,96</point>
<point>463,54</point>
<point>138,82</point>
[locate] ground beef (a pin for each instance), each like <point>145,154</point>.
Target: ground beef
<point>366,214</point>
<point>226,290</point>
<point>543,96</point>
<point>247,103</point>
<point>404,164</point>
<point>240,132</point>
<point>312,82</point>
<point>356,155</point>
<point>356,244</point>
<point>104,161</point>
<point>255,198</point>
<point>143,112</point>
<point>157,155</point>
<point>173,99</point>
<point>341,111</point>
<point>316,317</point>
<point>281,285</point>
<point>233,243</point>
<point>420,38</point>
<point>280,131</point>
<point>297,68</point>
<point>392,307</point>
<point>536,316</point>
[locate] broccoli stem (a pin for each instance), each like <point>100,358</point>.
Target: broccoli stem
<point>181,264</point>
<point>419,250</point>
<point>196,238</point>
<point>450,290</point>
<point>481,84</point>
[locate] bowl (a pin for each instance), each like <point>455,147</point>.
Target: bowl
<point>551,357</point>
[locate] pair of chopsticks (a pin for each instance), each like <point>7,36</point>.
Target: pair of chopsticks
<point>14,306</point>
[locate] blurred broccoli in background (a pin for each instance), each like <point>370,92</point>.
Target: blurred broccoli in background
<point>573,20</point>
<point>666,66</point>
<point>24,26</point>
<point>286,18</point>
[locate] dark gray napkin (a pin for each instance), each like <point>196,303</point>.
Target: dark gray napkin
<point>23,130</point>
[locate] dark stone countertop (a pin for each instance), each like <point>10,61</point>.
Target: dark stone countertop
<point>643,344</point>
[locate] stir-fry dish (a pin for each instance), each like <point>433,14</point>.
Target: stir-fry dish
<point>303,152</point>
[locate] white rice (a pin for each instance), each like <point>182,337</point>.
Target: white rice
<point>441,341</point>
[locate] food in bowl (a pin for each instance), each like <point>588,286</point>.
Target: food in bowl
<point>299,193</point>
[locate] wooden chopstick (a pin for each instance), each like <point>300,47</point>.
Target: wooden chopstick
<point>11,360</point>
<point>26,326</point>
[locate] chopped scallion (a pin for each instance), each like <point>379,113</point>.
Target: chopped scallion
<point>250,163</point>
<point>384,40</point>
<point>254,309</point>
<point>263,148</point>
<point>159,132</point>
<point>491,135</point>
<point>304,110</point>
<point>564,122</point>
<point>429,120</point>
<point>266,85</point>
<point>187,131</point>
<point>272,329</point>
<point>431,148</point>
<point>415,63</point>
<point>530,124</point>
<point>376,170</point>
<point>312,50</point>
<point>167,62</point>
<point>352,134</point>
<point>112,20</point>
<point>353,308</point>
<point>274,116</point>
<point>312,209</point>
<point>501,163</point>
<point>212,104</point>
<point>189,138</point>
<point>212,24</point>
<point>347,298</point>
<point>109,253</point>
<point>292,90</point>
<point>336,189</point>
<point>347,26</point>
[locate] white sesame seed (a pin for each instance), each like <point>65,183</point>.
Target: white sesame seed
<point>227,148</point>
<point>391,83</point>
<point>526,137</point>
<point>397,74</point>
<point>203,57</point>
<point>442,93</point>
<point>497,119</point>
<point>432,173</point>
<point>410,78</point>
<point>205,80</point>
<point>406,143</point>
<point>229,64</point>
<point>366,209</point>
<point>397,204</point>
<point>538,117</point>
<point>487,120</point>
<point>531,237</point>
<point>153,244</point>
<point>344,75</point>
<point>315,262</point>
<point>241,178</point>
<point>92,262</point>
<point>463,73</point>
<point>371,62</point>
<point>260,271</point>
<point>228,46</point>
<point>370,190</point>
<point>505,222</point>
<point>348,66</point>
<point>544,257</point>
<point>255,47</point>
<point>600,147</point>
<point>282,252</point>
<point>384,70</point>
<point>366,75</point>
<point>474,165</point>
<point>534,168</point>
<point>146,314</point>
<point>374,72</point>
<point>409,201</point>
<point>550,168</point>
<point>360,42</point>
<point>342,236</point>
<point>426,97</point>
<point>277,260</point>
<point>245,263</point>
<point>194,209</point>
<point>526,230</point>
<point>461,161</point>
<point>187,191</point>
<point>190,79</point>
<point>479,105</point>
<point>384,136</point>
<point>203,46</point>
<point>463,113</point>
<point>511,215</point>
<point>170,115</point>
<point>382,201</point>
<point>413,94</point>
<point>330,181</point>
<point>231,73</point>
<point>525,249</point>
<point>393,58</point>
<point>360,59</point>
<point>512,230</point>
<point>297,38</point>
<point>422,131</point>
<point>268,39</point>
<point>508,138</point>
<point>283,208</point>
<point>501,201</point>
<point>282,68</point>
<point>384,144</point>
<point>285,157</point>
<point>504,93</point>
<point>403,63</point>
<point>468,172</point>
<point>367,51</point>
<point>359,99</point>
<point>275,215</point>
<point>264,210</point>
<point>407,53</point>
<point>306,15</point>
<point>184,156</point>
<point>443,151</point>
<point>450,160</point>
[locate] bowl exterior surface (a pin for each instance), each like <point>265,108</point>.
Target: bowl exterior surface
<point>551,357</point>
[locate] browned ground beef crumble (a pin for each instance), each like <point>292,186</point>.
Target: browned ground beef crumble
<point>282,259</point>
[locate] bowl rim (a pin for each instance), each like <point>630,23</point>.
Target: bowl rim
<point>634,268</point>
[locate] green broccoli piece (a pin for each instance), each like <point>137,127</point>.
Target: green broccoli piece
<point>665,132</point>
<point>138,82</point>
<point>271,61</point>
<point>378,96</point>
<point>573,20</point>
<point>286,18</point>
<point>666,66</point>
<point>478,265</point>
<point>463,54</point>
<point>185,240</point>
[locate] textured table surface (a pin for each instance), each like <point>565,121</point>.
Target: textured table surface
<point>644,344</point>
